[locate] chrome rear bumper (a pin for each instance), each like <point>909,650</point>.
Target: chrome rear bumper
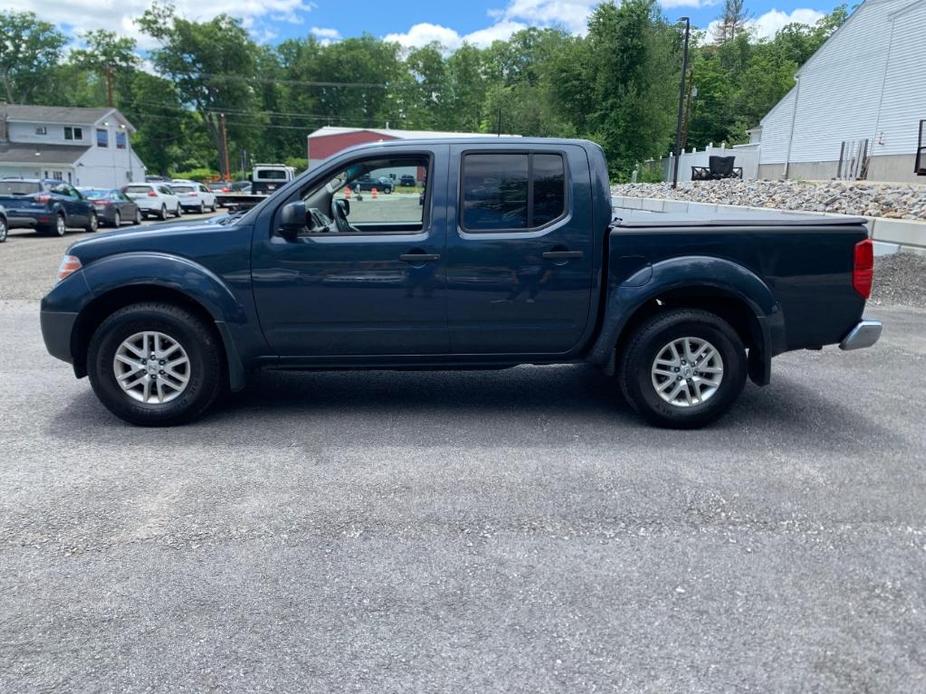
<point>865,334</point>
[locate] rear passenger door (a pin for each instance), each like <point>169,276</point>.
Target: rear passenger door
<point>520,250</point>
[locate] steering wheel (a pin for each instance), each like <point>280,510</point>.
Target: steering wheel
<point>341,210</point>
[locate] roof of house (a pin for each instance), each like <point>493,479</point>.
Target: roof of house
<point>77,115</point>
<point>399,134</point>
<point>22,153</point>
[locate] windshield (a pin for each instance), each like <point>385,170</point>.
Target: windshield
<point>269,174</point>
<point>19,188</point>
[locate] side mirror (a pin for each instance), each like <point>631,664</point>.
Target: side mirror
<point>292,220</point>
<point>344,204</point>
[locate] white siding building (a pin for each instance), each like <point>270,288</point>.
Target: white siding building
<point>868,81</point>
<point>83,146</point>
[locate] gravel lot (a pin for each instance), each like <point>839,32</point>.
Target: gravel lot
<point>484,531</point>
<point>892,200</point>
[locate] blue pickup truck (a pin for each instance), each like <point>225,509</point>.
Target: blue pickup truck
<point>515,257</point>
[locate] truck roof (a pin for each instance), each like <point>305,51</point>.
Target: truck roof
<point>483,141</point>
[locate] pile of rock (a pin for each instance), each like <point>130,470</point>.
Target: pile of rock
<point>892,200</point>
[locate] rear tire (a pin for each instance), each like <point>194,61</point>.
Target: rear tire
<point>117,219</point>
<point>93,224</point>
<point>137,220</point>
<point>58,228</point>
<point>140,404</point>
<point>704,388</point>
<point>4,230</point>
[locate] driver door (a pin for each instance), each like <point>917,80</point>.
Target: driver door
<point>370,284</point>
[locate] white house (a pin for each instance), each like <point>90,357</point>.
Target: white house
<point>867,82</point>
<point>83,146</point>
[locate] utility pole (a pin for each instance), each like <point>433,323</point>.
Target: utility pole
<point>681,102</point>
<point>225,148</point>
<point>109,85</point>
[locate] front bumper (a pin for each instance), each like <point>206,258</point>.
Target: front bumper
<point>864,334</point>
<point>57,327</point>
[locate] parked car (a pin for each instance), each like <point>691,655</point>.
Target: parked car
<point>4,229</point>
<point>113,207</point>
<point>383,184</point>
<point>407,180</point>
<point>194,196</point>
<point>521,261</point>
<point>46,205</point>
<point>154,199</point>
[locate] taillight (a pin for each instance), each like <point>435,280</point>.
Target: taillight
<point>863,268</point>
<point>42,198</point>
<point>152,194</point>
<point>69,265</point>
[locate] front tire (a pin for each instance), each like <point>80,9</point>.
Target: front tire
<point>155,364</point>
<point>162,214</point>
<point>117,219</point>
<point>683,368</point>
<point>93,224</point>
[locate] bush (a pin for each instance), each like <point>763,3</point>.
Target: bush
<point>200,174</point>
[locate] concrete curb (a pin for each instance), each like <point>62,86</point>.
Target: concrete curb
<point>890,235</point>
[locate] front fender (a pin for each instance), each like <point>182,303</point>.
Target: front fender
<point>651,281</point>
<point>169,271</point>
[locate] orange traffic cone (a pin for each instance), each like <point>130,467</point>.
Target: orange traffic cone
<point>373,193</point>
<point>347,192</point>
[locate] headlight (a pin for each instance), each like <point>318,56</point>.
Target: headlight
<point>69,265</point>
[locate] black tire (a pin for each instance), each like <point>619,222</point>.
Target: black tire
<point>206,371</point>
<point>638,357</point>
<point>179,211</point>
<point>162,213</point>
<point>4,229</point>
<point>117,219</point>
<point>202,208</point>
<point>59,228</point>
<point>137,219</point>
<point>92,225</point>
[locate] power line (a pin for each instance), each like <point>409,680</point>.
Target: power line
<point>302,83</point>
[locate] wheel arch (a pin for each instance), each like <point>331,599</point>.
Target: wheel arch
<point>718,286</point>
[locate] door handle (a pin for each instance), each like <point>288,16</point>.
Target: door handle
<point>419,257</point>
<point>562,255</point>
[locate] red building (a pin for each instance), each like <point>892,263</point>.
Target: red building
<point>328,141</point>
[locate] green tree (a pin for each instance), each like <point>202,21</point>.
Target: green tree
<point>213,65</point>
<point>108,56</point>
<point>29,51</point>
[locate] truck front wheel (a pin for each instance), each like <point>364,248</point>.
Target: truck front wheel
<point>683,368</point>
<point>155,364</point>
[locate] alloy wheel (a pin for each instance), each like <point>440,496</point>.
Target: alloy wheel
<point>152,367</point>
<point>687,371</point>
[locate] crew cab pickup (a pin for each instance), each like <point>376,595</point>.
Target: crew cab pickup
<point>515,257</point>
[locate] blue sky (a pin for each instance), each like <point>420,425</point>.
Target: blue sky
<point>411,23</point>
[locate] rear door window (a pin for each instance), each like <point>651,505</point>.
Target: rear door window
<point>512,191</point>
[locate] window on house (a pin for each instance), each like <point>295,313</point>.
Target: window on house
<point>102,137</point>
<point>72,133</point>
<point>57,175</point>
<point>120,139</point>
<point>512,191</point>
<point>41,130</point>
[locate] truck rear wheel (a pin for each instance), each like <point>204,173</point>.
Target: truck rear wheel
<point>155,364</point>
<point>683,368</point>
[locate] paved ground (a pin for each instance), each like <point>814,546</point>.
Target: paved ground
<point>504,531</point>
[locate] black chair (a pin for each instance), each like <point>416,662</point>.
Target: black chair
<point>718,168</point>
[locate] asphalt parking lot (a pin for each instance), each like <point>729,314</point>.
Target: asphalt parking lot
<point>499,531</point>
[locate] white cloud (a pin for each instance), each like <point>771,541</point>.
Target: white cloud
<point>767,25</point>
<point>326,36</point>
<point>570,14</point>
<point>120,15</point>
<point>424,33</point>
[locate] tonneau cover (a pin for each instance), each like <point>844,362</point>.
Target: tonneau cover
<point>627,218</point>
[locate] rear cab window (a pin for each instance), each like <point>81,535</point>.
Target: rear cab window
<point>512,191</point>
